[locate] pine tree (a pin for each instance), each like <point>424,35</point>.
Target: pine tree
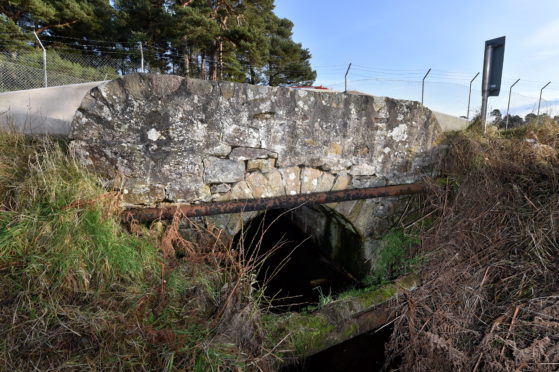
<point>148,22</point>
<point>43,15</point>
<point>238,40</point>
<point>288,62</point>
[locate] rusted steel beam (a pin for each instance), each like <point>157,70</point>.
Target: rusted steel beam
<point>248,205</point>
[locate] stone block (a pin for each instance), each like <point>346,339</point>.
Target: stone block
<point>247,153</point>
<point>262,165</point>
<point>259,184</point>
<point>142,193</point>
<point>275,180</point>
<point>220,188</point>
<point>326,182</point>
<point>368,181</point>
<point>291,180</point>
<point>342,182</point>
<point>217,170</point>
<point>363,169</point>
<point>310,180</point>
<point>241,191</point>
<point>219,150</point>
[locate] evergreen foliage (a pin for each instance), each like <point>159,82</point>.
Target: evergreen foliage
<point>240,41</point>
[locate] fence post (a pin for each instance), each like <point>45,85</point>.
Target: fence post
<point>44,59</point>
<point>540,101</point>
<point>141,57</point>
<point>508,105</point>
<point>423,85</point>
<point>487,57</point>
<point>470,96</point>
<point>345,78</point>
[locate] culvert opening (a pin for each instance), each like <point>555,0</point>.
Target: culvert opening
<point>307,254</point>
<point>365,352</point>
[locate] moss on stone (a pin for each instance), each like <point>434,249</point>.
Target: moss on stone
<point>377,296</point>
<point>309,332</point>
<point>349,330</point>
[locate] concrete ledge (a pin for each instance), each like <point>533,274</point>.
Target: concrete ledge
<point>42,110</point>
<point>339,321</point>
<point>450,123</point>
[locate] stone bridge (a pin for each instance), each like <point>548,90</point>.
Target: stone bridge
<point>168,139</point>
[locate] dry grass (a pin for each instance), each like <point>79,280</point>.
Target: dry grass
<point>80,292</point>
<point>490,299</point>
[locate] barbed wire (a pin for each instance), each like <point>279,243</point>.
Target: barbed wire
<point>154,51</point>
<point>21,68</point>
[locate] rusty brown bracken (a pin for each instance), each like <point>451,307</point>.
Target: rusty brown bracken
<point>247,205</point>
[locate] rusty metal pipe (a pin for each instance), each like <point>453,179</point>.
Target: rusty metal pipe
<point>248,205</point>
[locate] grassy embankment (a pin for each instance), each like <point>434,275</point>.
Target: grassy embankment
<point>78,291</point>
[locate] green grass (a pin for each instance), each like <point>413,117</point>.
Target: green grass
<point>393,258</point>
<point>78,290</point>
<point>69,273</point>
<point>48,242</point>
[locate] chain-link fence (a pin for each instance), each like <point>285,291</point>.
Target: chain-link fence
<point>444,91</point>
<point>25,70</point>
<point>452,97</point>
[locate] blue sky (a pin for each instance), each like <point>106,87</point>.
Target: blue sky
<point>392,43</point>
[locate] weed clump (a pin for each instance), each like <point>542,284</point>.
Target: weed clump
<point>68,270</point>
<point>489,298</point>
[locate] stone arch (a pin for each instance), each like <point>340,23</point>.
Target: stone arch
<point>317,250</point>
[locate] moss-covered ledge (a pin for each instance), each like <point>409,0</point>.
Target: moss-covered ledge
<point>306,333</point>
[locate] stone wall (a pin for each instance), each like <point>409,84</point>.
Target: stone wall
<point>171,139</point>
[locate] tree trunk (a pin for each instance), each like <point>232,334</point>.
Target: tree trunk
<point>252,75</point>
<point>186,60</point>
<point>213,66</point>
<point>220,59</point>
<point>203,67</point>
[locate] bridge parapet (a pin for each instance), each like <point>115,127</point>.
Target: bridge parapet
<point>178,140</point>
<point>185,140</point>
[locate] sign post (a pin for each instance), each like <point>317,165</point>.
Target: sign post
<point>492,72</point>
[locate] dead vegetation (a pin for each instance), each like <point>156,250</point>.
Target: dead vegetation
<point>490,294</point>
<point>80,292</point>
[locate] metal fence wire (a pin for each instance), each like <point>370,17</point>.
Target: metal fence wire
<point>24,69</point>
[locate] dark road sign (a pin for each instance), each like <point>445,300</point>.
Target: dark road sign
<point>497,47</point>
<point>492,71</point>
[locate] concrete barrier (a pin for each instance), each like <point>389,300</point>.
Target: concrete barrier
<point>450,123</point>
<point>43,110</point>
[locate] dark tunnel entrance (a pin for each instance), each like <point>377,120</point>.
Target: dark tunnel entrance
<point>306,253</point>
<point>365,352</point>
